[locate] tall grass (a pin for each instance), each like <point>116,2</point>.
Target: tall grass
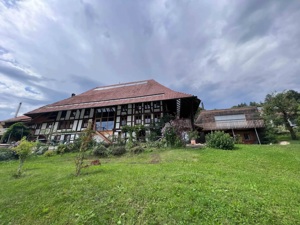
<point>249,185</point>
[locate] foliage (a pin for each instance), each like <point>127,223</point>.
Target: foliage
<point>244,104</point>
<point>40,148</point>
<point>282,108</point>
<point>7,154</point>
<point>170,135</point>
<point>219,140</point>
<point>101,150</point>
<point>140,132</point>
<point>61,149</point>
<point>86,140</point>
<point>268,134</point>
<point>23,150</point>
<point>128,130</point>
<point>49,153</point>
<point>118,150</point>
<point>15,132</point>
<point>153,135</point>
<point>75,146</point>
<point>174,133</point>
<point>193,134</point>
<point>137,150</point>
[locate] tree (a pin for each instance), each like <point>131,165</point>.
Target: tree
<point>15,132</point>
<point>85,139</point>
<point>23,150</point>
<point>282,108</point>
<point>245,104</point>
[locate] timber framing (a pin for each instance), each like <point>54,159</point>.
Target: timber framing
<point>110,108</point>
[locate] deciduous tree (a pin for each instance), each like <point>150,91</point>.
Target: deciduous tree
<point>283,108</point>
<point>23,150</point>
<point>15,132</point>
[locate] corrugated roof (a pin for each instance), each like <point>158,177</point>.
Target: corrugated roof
<point>118,94</point>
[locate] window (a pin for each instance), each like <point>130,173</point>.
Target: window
<point>73,113</point>
<point>49,126</point>
<point>147,119</point>
<point>67,138</point>
<point>63,114</point>
<point>52,116</point>
<point>65,125</point>
<point>156,105</point>
<point>156,117</point>
<point>147,105</point>
<point>87,112</point>
<point>105,118</point>
<point>229,121</point>
<point>247,137</point>
<point>138,120</point>
<point>106,123</point>
<point>85,123</point>
<point>138,107</point>
<point>124,108</point>
<point>57,138</point>
<point>123,120</point>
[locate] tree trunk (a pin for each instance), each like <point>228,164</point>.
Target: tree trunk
<point>19,171</point>
<point>290,129</point>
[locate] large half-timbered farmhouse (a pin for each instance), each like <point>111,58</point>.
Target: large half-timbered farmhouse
<point>110,108</point>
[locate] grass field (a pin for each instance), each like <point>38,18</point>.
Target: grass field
<point>249,185</point>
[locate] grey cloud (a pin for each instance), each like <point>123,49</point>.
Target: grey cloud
<point>224,52</point>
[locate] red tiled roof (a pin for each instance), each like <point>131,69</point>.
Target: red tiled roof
<point>118,94</point>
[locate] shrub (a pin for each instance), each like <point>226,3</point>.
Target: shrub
<point>40,148</point>
<point>61,149</point>
<point>24,149</point>
<point>137,150</point>
<point>49,153</point>
<point>100,150</point>
<point>170,136</point>
<point>118,150</point>
<point>130,144</point>
<point>7,154</point>
<point>219,140</point>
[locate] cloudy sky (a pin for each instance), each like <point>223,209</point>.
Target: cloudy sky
<point>224,51</point>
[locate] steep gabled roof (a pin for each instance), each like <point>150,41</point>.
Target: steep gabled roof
<point>118,94</point>
<point>234,118</point>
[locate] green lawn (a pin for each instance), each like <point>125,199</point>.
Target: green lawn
<point>249,185</point>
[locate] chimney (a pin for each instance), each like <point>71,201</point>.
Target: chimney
<point>73,94</point>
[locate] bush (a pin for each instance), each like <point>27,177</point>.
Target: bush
<point>100,150</point>
<point>49,153</point>
<point>40,148</point>
<point>118,150</point>
<point>219,140</point>
<point>7,154</point>
<point>61,149</point>
<point>137,150</point>
<point>130,144</point>
<point>69,147</point>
